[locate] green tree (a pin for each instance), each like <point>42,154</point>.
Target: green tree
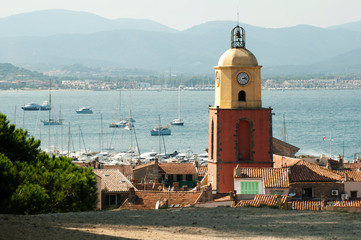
<point>32,182</point>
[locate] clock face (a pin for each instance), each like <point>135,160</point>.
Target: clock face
<point>242,78</point>
<point>217,79</point>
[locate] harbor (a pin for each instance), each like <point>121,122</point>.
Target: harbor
<point>310,115</point>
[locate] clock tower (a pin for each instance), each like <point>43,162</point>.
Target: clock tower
<point>240,129</point>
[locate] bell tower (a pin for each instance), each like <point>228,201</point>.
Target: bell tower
<point>240,130</point>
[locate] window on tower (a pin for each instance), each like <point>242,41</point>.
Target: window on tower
<point>242,96</point>
<point>244,140</point>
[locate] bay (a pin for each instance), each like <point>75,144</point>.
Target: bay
<point>310,115</point>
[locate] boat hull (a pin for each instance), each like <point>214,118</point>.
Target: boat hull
<point>162,132</point>
<point>177,122</point>
<point>85,112</point>
<point>53,122</point>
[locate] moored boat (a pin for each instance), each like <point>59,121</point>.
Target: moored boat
<point>84,110</point>
<point>120,124</point>
<point>160,130</point>
<point>36,107</point>
<point>53,121</point>
<point>178,122</point>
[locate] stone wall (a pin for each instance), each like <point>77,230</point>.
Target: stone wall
<point>149,173</point>
<point>319,189</point>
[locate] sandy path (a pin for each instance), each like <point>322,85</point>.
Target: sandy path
<point>190,223</point>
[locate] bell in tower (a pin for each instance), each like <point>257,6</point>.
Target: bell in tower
<point>238,37</point>
<point>240,129</point>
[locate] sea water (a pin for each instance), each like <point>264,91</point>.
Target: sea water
<point>317,121</point>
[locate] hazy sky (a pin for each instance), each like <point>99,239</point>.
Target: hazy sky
<point>182,14</point>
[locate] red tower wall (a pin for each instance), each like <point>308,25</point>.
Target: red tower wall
<point>224,143</point>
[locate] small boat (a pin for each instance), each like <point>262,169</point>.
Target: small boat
<point>84,110</point>
<point>178,121</point>
<point>36,107</point>
<point>53,122</point>
<point>160,130</point>
<point>129,126</point>
<point>120,124</point>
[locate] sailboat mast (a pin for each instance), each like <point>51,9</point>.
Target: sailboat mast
<point>49,99</point>
<point>101,131</point>
<point>179,104</point>
<point>284,133</point>
<point>68,139</point>
<point>49,114</point>
<point>159,137</point>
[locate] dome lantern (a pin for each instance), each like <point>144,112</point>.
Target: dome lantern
<point>238,37</point>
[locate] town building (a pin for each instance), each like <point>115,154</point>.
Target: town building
<point>172,175</point>
<point>113,188</point>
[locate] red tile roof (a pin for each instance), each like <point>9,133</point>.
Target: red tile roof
<point>144,165</point>
<point>259,200</point>
<point>148,200</point>
<point>112,180</point>
<point>351,174</point>
<point>272,177</point>
<point>178,168</point>
<point>348,203</point>
<point>314,205</point>
<point>126,170</point>
<point>172,168</point>
<point>304,171</point>
<point>354,166</point>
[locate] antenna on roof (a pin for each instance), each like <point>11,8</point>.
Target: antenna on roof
<point>237,16</point>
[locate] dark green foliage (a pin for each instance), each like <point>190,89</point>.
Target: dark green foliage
<point>31,182</point>
<point>15,144</point>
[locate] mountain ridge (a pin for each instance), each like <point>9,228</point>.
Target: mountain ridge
<point>139,44</point>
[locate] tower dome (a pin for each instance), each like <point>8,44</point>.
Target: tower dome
<point>238,57</point>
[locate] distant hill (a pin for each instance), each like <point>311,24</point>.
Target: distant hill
<point>352,26</point>
<point>11,72</point>
<point>59,37</point>
<point>52,22</point>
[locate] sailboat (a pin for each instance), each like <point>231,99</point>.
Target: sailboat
<point>160,130</point>
<point>122,122</point>
<point>52,121</point>
<point>178,121</point>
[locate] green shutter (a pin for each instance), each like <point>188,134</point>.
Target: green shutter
<point>249,188</point>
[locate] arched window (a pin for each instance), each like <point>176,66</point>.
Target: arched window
<point>244,140</point>
<point>242,96</point>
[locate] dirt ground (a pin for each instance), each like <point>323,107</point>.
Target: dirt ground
<point>187,223</point>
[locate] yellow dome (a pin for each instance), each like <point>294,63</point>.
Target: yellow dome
<point>238,57</point>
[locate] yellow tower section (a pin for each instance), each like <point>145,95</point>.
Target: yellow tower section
<point>238,76</point>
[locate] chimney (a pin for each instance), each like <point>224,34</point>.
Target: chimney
<point>340,160</point>
<point>238,172</point>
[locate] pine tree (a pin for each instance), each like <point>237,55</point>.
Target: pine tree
<point>32,182</point>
